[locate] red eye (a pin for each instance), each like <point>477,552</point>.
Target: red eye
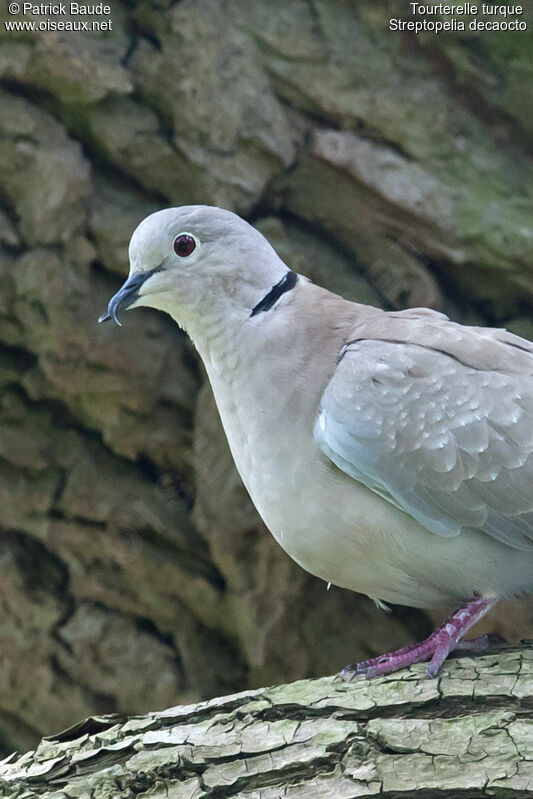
<point>184,245</point>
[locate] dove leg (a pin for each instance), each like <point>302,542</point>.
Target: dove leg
<point>436,648</point>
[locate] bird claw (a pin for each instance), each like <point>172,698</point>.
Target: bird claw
<point>350,672</point>
<point>365,668</point>
<point>436,648</point>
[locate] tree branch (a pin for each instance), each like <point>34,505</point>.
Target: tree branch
<point>468,733</point>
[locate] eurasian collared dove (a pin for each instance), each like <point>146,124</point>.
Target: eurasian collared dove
<point>390,453</point>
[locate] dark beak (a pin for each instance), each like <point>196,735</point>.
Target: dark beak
<point>126,295</point>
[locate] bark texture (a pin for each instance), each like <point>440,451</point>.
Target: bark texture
<point>468,733</point>
<point>393,169</point>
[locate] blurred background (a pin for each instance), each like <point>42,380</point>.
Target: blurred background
<point>392,168</point>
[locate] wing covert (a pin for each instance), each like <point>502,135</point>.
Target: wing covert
<point>438,432</point>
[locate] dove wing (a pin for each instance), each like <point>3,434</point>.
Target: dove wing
<point>437,418</point>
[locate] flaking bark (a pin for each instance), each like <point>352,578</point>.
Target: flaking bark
<point>468,733</point>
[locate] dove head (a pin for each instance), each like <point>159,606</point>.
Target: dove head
<point>201,265</point>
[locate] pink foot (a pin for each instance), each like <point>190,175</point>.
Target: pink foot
<point>436,648</point>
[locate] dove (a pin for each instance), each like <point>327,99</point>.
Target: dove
<point>389,453</point>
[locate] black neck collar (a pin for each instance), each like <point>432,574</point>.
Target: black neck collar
<point>287,282</point>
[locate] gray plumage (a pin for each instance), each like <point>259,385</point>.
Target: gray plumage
<point>438,419</point>
<point>388,453</point>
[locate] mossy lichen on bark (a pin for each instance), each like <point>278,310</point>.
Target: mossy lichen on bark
<point>467,733</point>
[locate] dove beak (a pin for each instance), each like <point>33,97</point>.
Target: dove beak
<point>126,296</point>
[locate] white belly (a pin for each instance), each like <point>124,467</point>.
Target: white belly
<point>344,533</point>
<point>330,524</point>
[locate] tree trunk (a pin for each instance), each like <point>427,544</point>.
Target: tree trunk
<point>390,167</point>
<point>468,733</point>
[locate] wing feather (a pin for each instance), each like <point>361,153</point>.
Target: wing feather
<point>438,419</point>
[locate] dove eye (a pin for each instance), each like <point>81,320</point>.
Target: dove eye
<point>184,245</point>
